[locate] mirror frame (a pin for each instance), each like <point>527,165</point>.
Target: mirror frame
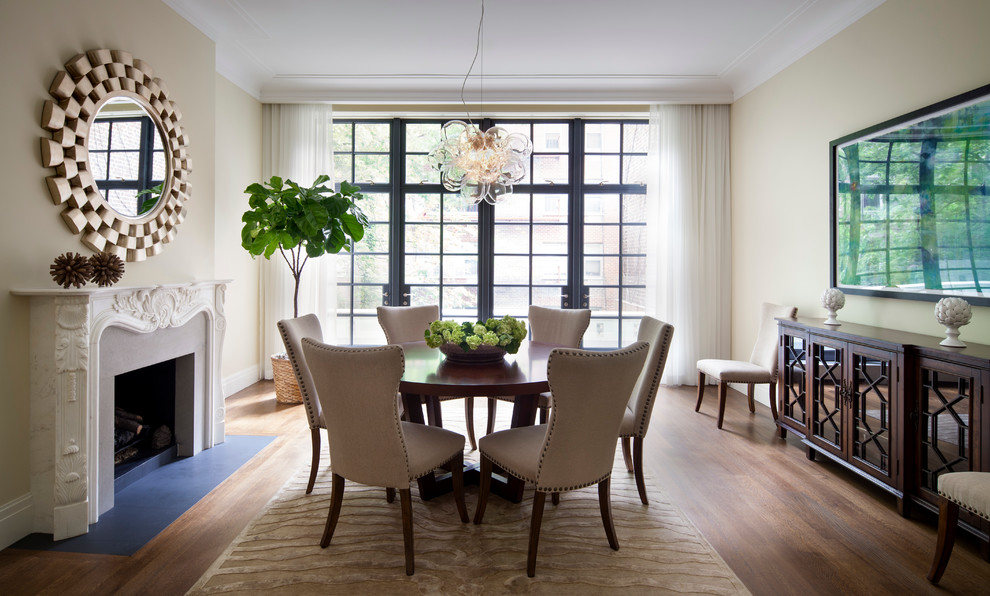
<point>88,81</point>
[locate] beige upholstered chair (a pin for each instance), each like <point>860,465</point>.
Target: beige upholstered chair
<point>558,326</point>
<point>637,417</point>
<point>403,324</point>
<point>969,490</point>
<point>577,447</point>
<point>761,367</point>
<point>368,443</point>
<point>293,331</point>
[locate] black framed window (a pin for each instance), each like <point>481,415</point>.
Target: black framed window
<point>126,156</point>
<point>564,238</point>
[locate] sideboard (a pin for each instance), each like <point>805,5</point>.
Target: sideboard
<point>894,407</point>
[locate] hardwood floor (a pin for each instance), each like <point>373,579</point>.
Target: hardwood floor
<point>786,525</point>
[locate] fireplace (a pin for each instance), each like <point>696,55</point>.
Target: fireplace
<point>82,341</point>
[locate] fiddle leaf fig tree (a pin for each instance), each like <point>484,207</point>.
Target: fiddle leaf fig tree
<point>301,222</point>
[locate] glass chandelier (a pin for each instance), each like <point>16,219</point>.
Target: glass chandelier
<point>482,166</point>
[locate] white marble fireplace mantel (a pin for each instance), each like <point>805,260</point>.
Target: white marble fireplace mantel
<point>71,478</point>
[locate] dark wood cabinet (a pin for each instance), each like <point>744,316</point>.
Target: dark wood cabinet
<point>895,407</point>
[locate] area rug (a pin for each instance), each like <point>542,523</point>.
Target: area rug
<point>279,553</point>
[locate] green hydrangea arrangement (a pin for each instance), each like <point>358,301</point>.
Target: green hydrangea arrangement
<point>506,333</point>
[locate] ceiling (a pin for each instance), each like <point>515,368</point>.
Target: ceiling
<point>534,51</point>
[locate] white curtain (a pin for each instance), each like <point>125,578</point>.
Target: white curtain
<point>297,143</point>
<point>689,261</point>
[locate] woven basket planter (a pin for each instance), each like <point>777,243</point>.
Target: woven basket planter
<point>286,387</point>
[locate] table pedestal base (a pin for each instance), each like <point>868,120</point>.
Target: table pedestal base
<point>508,487</point>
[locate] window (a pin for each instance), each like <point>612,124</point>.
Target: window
<point>126,156</point>
<point>559,240</point>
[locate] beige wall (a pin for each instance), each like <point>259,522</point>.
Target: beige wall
<point>238,164</point>
<point>38,37</point>
<point>904,55</point>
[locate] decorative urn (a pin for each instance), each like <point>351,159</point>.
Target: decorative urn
<point>952,313</point>
<point>833,299</point>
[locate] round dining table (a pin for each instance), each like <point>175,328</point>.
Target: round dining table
<point>429,375</point>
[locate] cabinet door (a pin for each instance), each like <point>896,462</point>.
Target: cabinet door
<point>793,365</point>
<point>945,422</point>
<point>827,394</point>
<point>871,385</point>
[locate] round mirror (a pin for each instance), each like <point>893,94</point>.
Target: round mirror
<point>127,157</point>
<point>120,159</point>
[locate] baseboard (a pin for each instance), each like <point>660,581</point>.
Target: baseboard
<point>241,380</point>
<point>15,520</point>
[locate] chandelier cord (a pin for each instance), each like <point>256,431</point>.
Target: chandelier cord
<point>477,49</point>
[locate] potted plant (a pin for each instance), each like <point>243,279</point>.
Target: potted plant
<point>300,223</point>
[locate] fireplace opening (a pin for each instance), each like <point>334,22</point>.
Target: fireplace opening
<point>144,419</point>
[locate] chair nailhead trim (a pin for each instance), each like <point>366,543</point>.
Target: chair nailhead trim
<point>982,514</point>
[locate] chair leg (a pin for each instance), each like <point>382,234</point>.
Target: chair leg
<point>605,502</point>
<point>555,498</point>
<point>773,401</point>
<point>626,454</point>
<point>638,467</point>
<point>948,516</point>
<point>722,388</point>
<point>457,479</point>
<point>336,496</point>
<point>539,500</point>
<point>389,495</point>
<point>492,407</point>
<point>405,498</point>
<point>469,420</point>
<point>315,465</point>
<point>701,390</point>
<point>433,412</point>
<point>484,486</point>
<point>749,398</point>
<point>544,414</point>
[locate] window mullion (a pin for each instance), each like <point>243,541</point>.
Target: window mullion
<point>575,222</point>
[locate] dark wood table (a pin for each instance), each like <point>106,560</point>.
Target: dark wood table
<point>429,376</point>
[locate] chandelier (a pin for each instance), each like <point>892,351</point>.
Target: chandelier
<point>482,166</point>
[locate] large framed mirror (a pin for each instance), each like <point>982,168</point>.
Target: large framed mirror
<point>120,158</point>
<point>910,207</point>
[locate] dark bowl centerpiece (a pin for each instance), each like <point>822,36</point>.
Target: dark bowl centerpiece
<point>477,343</point>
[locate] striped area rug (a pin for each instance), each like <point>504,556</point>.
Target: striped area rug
<point>279,553</point>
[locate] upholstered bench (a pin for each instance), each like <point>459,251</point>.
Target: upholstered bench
<point>969,490</point>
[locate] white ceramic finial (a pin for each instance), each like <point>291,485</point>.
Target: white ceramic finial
<point>952,313</point>
<point>833,299</point>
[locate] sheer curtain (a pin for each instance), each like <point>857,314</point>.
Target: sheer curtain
<point>297,143</point>
<point>688,258</point>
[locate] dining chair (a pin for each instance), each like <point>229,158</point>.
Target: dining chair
<point>558,326</point>
<point>969,490</point>
<point>293,331</point>
<point>367,441</point>
<point>576,448</point>
<point>760,368</point>
<point>636,419</point>
<point>403,324</point>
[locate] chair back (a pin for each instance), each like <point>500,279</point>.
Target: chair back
<point>357,388</point>
<point>559,326</point>
<point>590,391</point>
<point>658,334</point>
<point>293,331</point>
<point>765,351</point>
<point>403,324</point>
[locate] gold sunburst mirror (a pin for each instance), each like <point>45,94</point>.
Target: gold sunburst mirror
<point>120,159</point>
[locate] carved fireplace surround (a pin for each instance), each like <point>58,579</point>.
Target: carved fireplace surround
<point>79,340</point>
